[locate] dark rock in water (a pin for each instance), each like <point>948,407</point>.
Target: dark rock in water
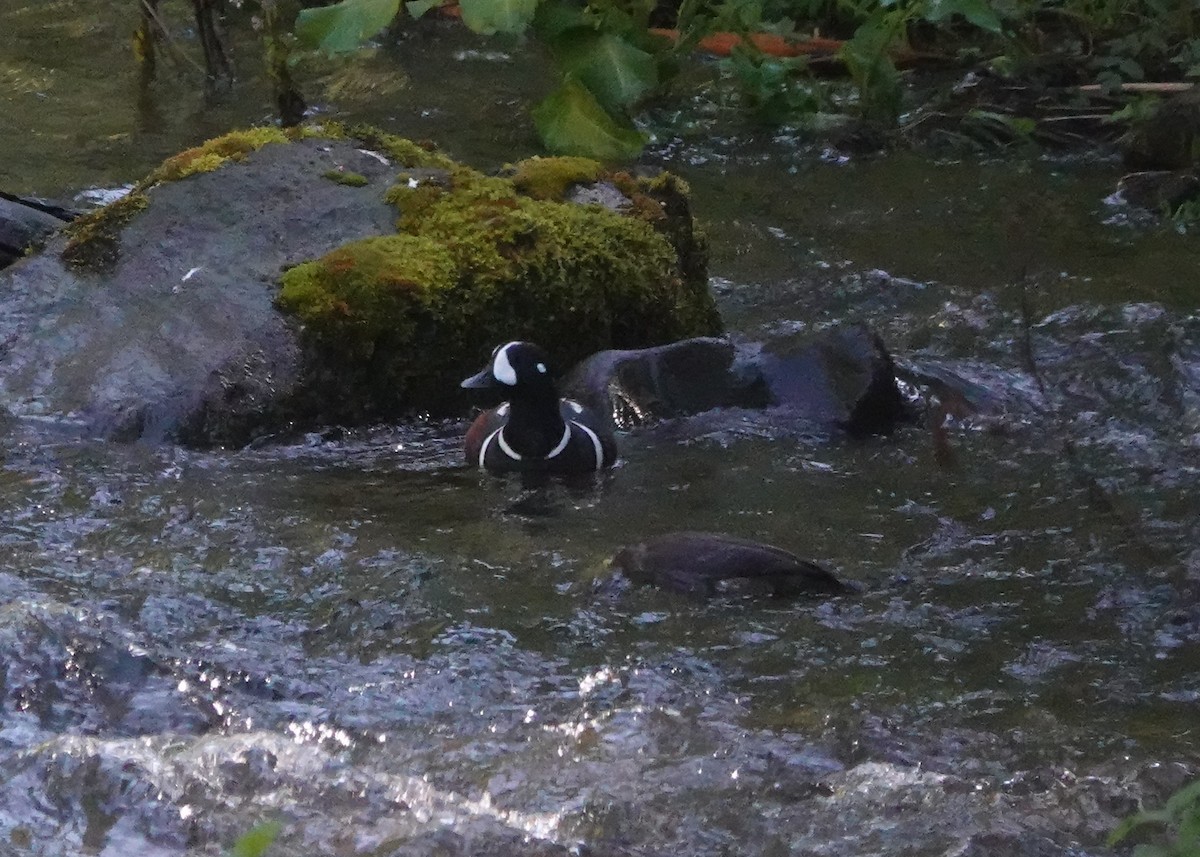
<point>701,563</point>
<point>842,378</point>
<point>25,224</point>
<point>635,387</point>
<point>1166,139</point>
<point>1159,189</point>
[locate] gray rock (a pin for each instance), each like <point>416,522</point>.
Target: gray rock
<point>23,225</point>
<point>1159,189</point>
<point>180,339</point>
<point>842,378</point>
<point>639,386</point>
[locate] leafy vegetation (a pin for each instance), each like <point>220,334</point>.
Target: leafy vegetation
<point>255,841</point>
<point>1180,817</point>
<point>611,60</point>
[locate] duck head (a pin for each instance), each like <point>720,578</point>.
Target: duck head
<point>518,367</point>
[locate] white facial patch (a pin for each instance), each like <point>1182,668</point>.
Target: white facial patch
<point>502,369</point>
<point>541,367</point>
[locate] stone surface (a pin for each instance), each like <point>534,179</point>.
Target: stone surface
<point>839,379</point>
<point>181,338</point>
<point>23,226</point>
<point>1159,189</point>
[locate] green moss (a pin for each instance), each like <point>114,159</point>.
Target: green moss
<point>210,155</point>
<point>403,151</point>
<point>367,292</point>
<point>92,240</point>
<point>479,261</point>
<point>551,178</point>
<point>347,178</point>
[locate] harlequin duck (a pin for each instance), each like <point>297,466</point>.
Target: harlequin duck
<point>705,563</point>
<point>535,430</point>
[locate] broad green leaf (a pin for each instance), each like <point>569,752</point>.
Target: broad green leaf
<point>571,121</point>
<point>613,70</point>
<point>498,16</point>
<point>871,68</point>
<point>978,12</point>
<point>255,841</point>
<point>345,26</point>
<point>417,8</point>
<point>555,17</point>
<point>1186,798</point>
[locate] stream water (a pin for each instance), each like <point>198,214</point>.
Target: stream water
<point>391,654</point>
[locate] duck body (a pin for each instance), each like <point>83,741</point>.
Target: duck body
<point>534,430</point>
<point>698,563</point>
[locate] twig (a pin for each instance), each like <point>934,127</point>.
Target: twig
<point>149,10</point>
<point>1145,86</point>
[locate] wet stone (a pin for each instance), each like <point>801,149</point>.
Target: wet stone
<point>842,379</point>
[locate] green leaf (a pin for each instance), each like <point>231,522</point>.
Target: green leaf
<point>417,8</point>
<point>978,12</point>
<point>1183,800</point>
<point>871,68</point>
<point>613,70</point>
<point>345,26</point>
<point>255,841</point>
<point>555,17</point>
<point>572,121</point>
<point>488,17</point>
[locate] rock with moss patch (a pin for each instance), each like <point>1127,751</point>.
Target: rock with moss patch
<point>239,292</point>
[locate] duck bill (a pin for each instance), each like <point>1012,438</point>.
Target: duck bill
<point>480,381</point>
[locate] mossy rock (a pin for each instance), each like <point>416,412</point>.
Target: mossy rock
<point>483,259</point>
<point>242,291</point>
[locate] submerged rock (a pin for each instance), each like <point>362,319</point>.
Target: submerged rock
<point>1159,190</point>
<point>698,563</point>
<point>25,224</point>
<point>268,281</point>
<point>1166,139</point>
<point>637,386</point>
<point>842,378</point>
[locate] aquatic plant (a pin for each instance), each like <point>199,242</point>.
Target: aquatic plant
<point>1180,816</point>
<point>255,841</point>
<point>614,56</point>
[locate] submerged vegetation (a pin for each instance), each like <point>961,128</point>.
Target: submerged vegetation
<point>1180,817</point>
<point>982,72</point>
<point>1034,69</point>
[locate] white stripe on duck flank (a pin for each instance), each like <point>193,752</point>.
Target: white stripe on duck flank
<point>562,444</point>
<point>487,441</point>
<point>596,445</point>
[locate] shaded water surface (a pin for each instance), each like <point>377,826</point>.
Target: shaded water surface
<point>392,654</point>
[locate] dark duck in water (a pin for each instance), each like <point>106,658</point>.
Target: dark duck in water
<point>534,430</point>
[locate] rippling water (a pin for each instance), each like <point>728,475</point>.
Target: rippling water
<point>394,655</point>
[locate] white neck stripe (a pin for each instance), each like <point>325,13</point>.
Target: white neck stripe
<point>599,447</point>
<point>562,444</point>
<point>505,448</point>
